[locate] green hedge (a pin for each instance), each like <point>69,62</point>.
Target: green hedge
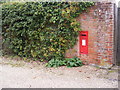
<point>41,30</point>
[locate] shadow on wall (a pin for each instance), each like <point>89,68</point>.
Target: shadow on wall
<point>118,36</point>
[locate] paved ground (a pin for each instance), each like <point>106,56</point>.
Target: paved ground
<point>20,74</point>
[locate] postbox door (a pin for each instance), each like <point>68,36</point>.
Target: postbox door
<point>83,42</point>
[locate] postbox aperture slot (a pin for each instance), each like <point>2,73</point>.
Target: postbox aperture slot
<point>83,34</point>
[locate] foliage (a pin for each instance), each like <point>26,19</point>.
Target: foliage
<point>73,62</point>
<point>42,30</point>
<point>56,63</point>
<point>69,62</point>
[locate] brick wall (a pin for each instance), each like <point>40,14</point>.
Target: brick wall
<point>99,22</point>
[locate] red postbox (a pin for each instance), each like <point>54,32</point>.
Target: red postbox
<point>83,42</point>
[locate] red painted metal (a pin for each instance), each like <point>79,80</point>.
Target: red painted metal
<point>83,42</point>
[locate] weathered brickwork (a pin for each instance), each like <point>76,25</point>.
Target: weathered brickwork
<point>99,22</point>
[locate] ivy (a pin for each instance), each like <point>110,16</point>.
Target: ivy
<point>41,30</point>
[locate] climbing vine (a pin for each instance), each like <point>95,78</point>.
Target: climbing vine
<point>41,30</point>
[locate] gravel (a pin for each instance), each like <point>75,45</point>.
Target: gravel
<point>20,74</point>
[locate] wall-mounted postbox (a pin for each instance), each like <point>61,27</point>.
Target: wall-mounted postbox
<point>83,42</point>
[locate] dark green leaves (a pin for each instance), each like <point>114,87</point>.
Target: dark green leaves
<point>69,62</point>
<point>42,30</point>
